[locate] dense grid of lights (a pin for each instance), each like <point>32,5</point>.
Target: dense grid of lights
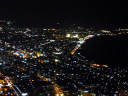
<point>46,62</point>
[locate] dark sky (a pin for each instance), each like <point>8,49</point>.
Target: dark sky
<point>93,12</point>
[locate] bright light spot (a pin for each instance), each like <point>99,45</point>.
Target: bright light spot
<point>85,91</point>
<point>56,60</point>
<point>61,94</point>
<point>44,29</point>
<point>76,36</point>
<point>68,35</point>
<point>24,94</point>
<point>57,94</point>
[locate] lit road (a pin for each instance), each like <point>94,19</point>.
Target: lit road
<point>81,42</point>
<point>57,89</point>
<point>11,85</point>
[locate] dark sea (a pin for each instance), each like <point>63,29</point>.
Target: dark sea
<point>109,50</point>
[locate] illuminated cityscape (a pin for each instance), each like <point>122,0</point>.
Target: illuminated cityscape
<point>63,48</point>
<point>48,62</point>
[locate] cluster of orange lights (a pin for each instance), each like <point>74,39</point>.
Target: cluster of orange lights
<point>23,69</point>
<point>40,60</point>
<point>98,65</point>
<point>43,78</point>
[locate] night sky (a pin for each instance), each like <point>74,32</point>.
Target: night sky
<point>88,12</point>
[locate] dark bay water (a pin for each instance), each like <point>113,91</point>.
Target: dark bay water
<point>109,50</point>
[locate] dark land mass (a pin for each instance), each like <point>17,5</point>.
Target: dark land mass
<point>109,50</point>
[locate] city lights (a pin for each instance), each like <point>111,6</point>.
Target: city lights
<point>49,61</point>
<point>68,35</point>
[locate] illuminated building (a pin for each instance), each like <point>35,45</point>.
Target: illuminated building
<point>38,54</point>
<point>41,60</point>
